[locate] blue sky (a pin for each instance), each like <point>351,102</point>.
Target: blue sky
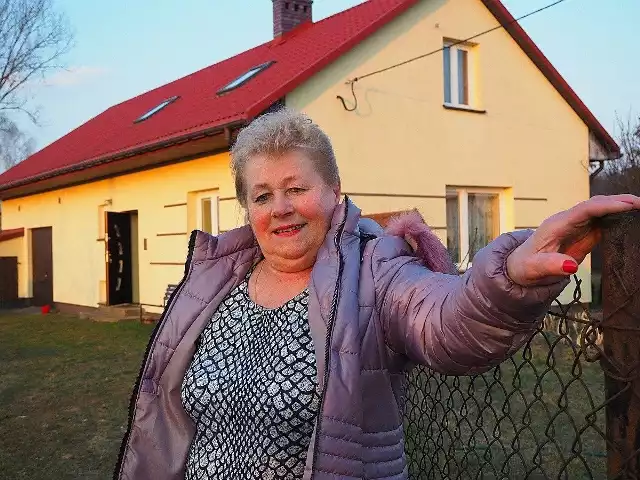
<point>124,48</point>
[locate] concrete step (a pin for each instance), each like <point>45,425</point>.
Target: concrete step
<point>107,318</point>
<point>120,311</point>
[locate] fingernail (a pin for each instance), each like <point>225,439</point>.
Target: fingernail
<point>569,266</point>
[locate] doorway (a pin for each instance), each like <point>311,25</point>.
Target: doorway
<point>42,266</point>
<point>119,257</point>
<point>8,281</point>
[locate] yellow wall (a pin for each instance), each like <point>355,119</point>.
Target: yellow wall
<point>77,217</point>
<point>402,141</point>
<point>12,248</point>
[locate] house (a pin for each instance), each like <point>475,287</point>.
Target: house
<point>482,137</point>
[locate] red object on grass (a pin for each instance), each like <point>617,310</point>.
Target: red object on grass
<point>46,309</point>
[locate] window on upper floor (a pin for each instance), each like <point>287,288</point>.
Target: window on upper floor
<point>458,69</point>
<point>473,220</point>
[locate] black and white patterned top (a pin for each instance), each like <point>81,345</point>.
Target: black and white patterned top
<point>251,390</point>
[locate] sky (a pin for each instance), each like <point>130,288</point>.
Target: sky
<point>124,48</point>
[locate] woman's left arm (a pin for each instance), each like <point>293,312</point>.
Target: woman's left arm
<point>467,324</point>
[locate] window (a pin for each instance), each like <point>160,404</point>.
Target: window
<point>156,109</point>
<point>473,220</point>
<point>458,77</point>
<point>244,78</point>
<point>207,213</point>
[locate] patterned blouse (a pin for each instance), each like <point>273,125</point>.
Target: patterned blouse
<point>251,390</point>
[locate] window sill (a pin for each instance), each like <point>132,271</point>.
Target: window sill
<point>462,108</point>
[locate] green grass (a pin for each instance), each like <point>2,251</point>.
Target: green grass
<point>65,385</point>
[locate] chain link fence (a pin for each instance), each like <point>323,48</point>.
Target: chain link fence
<point>565,406</point>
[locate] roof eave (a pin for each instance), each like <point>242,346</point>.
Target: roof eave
<point>225,130</point>
<point>11,234</point>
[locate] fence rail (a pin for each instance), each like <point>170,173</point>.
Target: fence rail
<point>565,406</point>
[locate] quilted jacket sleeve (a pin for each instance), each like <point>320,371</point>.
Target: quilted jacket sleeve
<point>457,325</point>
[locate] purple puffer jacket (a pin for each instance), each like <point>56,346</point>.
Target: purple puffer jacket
<point>371,318</point>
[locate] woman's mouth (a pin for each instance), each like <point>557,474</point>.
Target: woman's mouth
<point>288,230</point>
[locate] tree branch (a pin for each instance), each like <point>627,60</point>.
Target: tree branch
<point>32,40</point>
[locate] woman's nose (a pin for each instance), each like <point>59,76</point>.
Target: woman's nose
<point>281,206</point>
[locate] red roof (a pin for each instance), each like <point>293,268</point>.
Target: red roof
<point>11,234</point>
<point>297,56</point>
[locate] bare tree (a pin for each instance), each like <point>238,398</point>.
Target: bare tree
<point>15,145</point>
<point>33,38</point>
<point>622,175</point>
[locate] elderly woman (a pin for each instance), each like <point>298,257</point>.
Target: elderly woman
<point>283,353</point>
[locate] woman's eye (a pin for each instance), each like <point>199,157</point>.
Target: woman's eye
<point>296,190</point>
<point>262,198</point>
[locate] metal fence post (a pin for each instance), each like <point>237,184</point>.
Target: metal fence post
<point>621,332</point>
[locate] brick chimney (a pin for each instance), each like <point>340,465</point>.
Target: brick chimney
<point>288,14</point>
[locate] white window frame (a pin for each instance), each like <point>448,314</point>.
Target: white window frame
<point>214,198</point>
<point>453,48</point>
<point>463,217</point>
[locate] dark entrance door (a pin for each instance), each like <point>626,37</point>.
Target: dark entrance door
<point>119,268</point>
<point>8,281</point>
<point>42,264</point>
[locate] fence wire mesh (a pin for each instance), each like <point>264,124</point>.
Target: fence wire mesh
<point>542,414</point>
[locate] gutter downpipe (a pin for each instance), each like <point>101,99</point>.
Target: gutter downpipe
<point>601,164</point>
<point>597,170</point>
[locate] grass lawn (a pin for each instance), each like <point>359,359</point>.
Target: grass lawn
<point>65,385</point>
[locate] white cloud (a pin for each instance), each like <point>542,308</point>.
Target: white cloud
<point>74,76</point>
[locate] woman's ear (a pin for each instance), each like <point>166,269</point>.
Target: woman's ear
<point>338,192</point>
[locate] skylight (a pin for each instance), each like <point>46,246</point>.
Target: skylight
<point>156,109</point>
<point>244,78</point>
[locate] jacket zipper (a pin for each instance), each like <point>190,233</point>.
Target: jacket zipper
<point>332,317</point>
<point>136,389</point>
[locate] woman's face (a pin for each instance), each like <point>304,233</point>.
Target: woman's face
<point>290,208</point>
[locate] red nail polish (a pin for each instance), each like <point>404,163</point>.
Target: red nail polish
<point>569,266</point>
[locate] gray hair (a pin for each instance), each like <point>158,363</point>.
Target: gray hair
<point>279,132</point>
